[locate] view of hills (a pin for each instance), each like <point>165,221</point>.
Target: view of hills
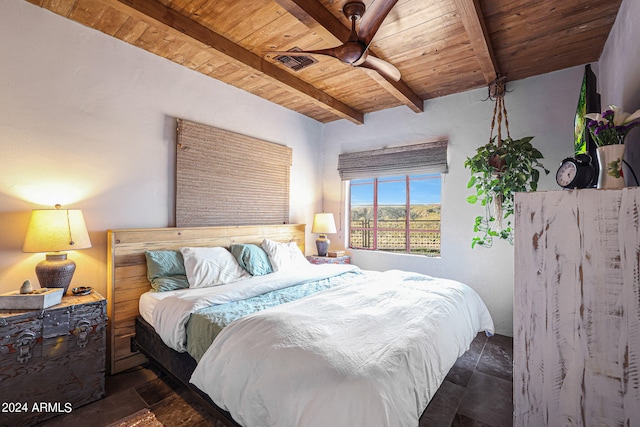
<point>429,212</point>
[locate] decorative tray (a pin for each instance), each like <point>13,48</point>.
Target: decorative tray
<point>36,299</point>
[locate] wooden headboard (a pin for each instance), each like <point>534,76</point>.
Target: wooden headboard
<point>127,271</point>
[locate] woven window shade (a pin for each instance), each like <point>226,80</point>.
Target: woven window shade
<point>429,157</point>
<point>224,178</point>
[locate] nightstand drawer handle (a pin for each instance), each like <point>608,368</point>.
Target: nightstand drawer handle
<point>82,332</point>
<point>23,344</point>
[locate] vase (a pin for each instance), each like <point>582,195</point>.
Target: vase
<point>610,162</point>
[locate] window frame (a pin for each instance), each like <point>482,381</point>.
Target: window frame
<point>407,230</point>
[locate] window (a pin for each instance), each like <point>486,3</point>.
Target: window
<point>379,219</point>
<point>395,197</point>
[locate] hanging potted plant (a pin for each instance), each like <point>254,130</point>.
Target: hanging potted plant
<point>500,169</point>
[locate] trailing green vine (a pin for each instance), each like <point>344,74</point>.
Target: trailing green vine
<point>498,171</point>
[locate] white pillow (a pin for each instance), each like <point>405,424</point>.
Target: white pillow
<point>284,256</point>
<point>211,267</point>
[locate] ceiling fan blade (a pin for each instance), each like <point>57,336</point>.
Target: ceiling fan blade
<point>349,53</point>
<point>382,67</point>
<point>373,18</point>
<point>328,52</point>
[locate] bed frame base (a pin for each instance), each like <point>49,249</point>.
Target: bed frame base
<point>177,365</point>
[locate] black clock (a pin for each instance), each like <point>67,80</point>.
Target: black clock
<point>575,172</point>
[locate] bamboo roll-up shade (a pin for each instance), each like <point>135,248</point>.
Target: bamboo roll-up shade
<point>225,178</point>
<point>428,157</point>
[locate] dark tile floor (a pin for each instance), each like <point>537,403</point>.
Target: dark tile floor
<point>477,392</point>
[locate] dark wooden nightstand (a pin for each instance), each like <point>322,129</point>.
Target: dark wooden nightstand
<point>315,259</point>
<point>52,361</point>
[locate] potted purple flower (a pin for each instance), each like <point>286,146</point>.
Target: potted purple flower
<point>609,129</point>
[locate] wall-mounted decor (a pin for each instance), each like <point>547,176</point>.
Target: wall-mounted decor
<point>225,178</point>
<point>588,102</point>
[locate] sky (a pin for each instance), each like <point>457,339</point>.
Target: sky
<point>392,191</point>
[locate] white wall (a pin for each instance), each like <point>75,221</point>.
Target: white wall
<point>543,107</point>
<point>619,75</point>
<point>88,121</point>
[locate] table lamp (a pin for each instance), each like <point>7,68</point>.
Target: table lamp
<point>323,223</point>
<point>53,231</point>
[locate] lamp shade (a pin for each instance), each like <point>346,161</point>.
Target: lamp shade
<point>54,230</point>
<point>323,223</point>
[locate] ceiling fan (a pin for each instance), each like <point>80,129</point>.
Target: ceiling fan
<point>354,51</point>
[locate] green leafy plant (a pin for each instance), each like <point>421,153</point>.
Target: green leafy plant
<point>498,171</point>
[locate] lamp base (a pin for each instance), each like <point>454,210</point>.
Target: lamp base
<point>322,245</point>
<point>55,271</point>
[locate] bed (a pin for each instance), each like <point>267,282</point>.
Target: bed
<point>332,355</point>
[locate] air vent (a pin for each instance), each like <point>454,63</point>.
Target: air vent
<point>296,63</point>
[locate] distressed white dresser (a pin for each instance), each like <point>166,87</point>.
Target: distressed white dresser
<point>577,308</point>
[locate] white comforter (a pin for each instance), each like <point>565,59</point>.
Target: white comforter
<point>171,314</point>
<point>363,355</point>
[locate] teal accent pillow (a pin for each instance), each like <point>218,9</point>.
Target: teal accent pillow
<point>169,283</point>
<point>252,258</point>
<point>165,270</point>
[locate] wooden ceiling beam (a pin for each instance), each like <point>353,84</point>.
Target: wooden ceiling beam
<point>318,19</point>
<point>185,25</point>
<point>312,13</point>
<point>474,25</point>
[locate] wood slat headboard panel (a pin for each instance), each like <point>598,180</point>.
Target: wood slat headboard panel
<point>214,164</point>
<point>127,271</point>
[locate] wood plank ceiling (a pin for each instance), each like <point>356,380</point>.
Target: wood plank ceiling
<point>440,46</point>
